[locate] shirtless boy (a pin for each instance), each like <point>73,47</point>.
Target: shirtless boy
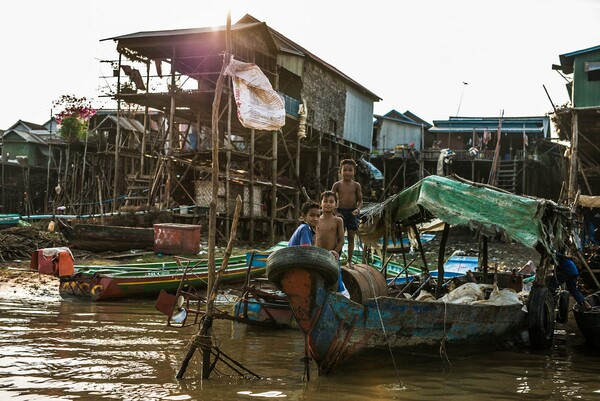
<point>349,194</point>
<point>330,232</point>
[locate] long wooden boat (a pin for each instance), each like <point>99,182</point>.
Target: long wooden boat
<point>101,283</point>
<point>588,322</point>
<point>98,238</point>
<point>338,329</point>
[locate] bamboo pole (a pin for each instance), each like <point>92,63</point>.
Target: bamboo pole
<point>212,220</point>
<point>117,140</point>
<point>100,200</point>
<point>572,188</point>
<point>203,338</point>
<point>171,136</point>
<point>440,264</point>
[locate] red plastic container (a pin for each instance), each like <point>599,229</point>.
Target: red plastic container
<point>174,238</point>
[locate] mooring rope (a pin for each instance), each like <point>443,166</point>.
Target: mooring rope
<point>443,353</point>
<point>370,278</point>
<point>200,341</point>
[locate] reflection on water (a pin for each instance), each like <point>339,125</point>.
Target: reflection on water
<point>68,349</point>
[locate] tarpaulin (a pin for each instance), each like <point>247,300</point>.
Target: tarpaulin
<point>259,106</point>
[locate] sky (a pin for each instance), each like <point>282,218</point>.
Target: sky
<point>436,58</point>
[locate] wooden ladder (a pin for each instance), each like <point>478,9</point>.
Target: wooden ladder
<point>138,189</point>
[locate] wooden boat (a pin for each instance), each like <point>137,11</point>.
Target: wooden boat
<point>588,322</point>
<point>338,329</point>
<point>100,283</point>
<point>9,220</point>
<point>98,238</point>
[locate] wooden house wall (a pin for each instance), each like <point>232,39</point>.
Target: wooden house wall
<point>586,93</point>
<point>358,124</point>
<point>291,63</point>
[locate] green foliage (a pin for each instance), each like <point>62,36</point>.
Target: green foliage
<point>73,128</point>
<point>74,117</point>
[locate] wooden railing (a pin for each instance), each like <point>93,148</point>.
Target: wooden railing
<point>434,154</point>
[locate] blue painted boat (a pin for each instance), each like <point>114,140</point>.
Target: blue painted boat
<point>395,244</point>
<point>337,329</point>
<point>9,220</point>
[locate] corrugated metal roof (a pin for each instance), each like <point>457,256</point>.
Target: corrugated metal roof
<point>490,124</point>
<point>38,137</point>
<point>567,59</point>
<point>478,130</point>
<point>278,41</point>
<point>126,123</point>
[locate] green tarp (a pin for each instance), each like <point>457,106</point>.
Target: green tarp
<point>530,221</point>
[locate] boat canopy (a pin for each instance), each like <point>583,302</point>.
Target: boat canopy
<point>458,202</point>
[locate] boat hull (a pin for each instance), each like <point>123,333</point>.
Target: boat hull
<point>101,283</point>
<point>337,328</point>
<point>98,238</point>
<point>588,322</point>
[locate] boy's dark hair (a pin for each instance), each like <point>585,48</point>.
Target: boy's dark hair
<point>348,161</point>
<point>327,194</point>
<point>309,205</point>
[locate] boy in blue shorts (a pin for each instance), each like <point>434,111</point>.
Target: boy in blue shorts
<point>350,201</point>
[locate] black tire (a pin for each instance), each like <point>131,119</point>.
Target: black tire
<point>309,257</point>
<point>562,312</point>
<point>540,318</point>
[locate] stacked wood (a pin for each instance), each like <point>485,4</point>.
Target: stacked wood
<point>20,242</point>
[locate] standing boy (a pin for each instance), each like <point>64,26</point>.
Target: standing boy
<point>305,232</point>
<point>349,194</point>
<point>330,232</point>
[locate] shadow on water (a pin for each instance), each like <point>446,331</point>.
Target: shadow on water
<point>57,349</point>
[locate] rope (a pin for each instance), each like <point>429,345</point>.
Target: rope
<point>200,341</point>
<point>384,331</point>
<point>443,353</point>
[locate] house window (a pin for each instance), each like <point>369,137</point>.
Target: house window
<point>593,70</point>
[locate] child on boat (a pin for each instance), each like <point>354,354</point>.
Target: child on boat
<point>567,272</point>
<point>349,194</point>
<point>304,234</point>
<point>330,232</point>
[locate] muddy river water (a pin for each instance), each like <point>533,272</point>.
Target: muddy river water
<point>65,349</point>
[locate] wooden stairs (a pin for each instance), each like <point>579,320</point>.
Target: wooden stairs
<point>506,177</point>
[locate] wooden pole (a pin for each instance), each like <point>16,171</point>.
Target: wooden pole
<point>117,141</point>
<point>274,176</point>
<point>318,166</point>
<point>46,205</point>
<point>494,170</point>
<point>203,338</point>
<point>146,125</point>
<point>212,220</point>
<point>273,187</point>
<point>171,133</point>
<point>100,200</point>
<point>573,159</point>
<point>228,163</point>
<point>440,264</point>
<point>251,186</point>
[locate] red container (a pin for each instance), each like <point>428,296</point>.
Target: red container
<point>173,238</point>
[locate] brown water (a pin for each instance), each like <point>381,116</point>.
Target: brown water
<point>55,349</point>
